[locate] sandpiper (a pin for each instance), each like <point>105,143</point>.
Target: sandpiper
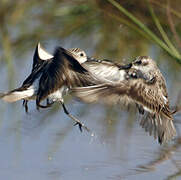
<point>144,85</point>
<point>39,61</point>
<point>50,78</point>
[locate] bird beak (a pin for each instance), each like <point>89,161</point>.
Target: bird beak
<point>90,59</point>
<point>127,66</point>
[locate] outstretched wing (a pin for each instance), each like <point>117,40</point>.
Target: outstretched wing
<point>107,93</point>
<point>106,70</point>
<point>135,90</point>
<point>150,96</point>
<point>158,118</point>
<point>63,69</point>
<point>158,126</point>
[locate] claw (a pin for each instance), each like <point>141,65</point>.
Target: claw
<point>80,126</point>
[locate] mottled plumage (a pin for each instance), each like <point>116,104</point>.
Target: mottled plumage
<point>144,86</point>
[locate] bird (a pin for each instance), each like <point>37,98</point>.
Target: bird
<point>142,84</point>
<point>39,61</point>
<point>51,76</point>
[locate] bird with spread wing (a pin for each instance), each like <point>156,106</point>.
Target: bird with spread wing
<point>50,78</point>
<point>141,84</point>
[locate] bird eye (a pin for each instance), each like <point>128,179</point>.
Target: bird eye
<point>138,62</point>
<point>81,54</point>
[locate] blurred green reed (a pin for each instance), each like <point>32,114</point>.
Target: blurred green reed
<point>123,29</point>
<point>166,44</point>
<point>24,23</point>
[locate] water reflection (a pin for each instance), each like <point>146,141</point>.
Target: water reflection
<point>47,140</point>
<point>45,144</point>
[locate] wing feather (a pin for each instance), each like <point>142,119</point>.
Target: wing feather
<point>157,120</point>
<point>136,90</point>
<point>63,69</point>
<point>40,56</point>
<point>105,70</point>
<point>149,96</point>
<point>105,93</point>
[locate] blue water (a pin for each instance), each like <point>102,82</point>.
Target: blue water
<point>45,145</point>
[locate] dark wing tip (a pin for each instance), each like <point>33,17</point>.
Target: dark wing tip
<point>40,56</point>
<point>36,58</point>
<point>2,95</point>
<point>60,50</point>
<point>160,138</point>
<point>64,56</point>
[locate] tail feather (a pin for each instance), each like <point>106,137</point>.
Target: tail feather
<point>17,95</point>
<point>161,127</point>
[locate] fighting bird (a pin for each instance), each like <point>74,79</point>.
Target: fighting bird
<point>51,77</point>
<point>39,61</point>
<point>142,84</point>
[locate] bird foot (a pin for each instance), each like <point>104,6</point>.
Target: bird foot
<point>81,126</point>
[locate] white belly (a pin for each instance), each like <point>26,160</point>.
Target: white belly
<point>58,95</point>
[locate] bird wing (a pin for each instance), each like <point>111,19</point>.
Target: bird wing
<point>63,69</point>
<point>158,126</point>
<point>35,74</point>
<point>162,86</point>
<point>108,93</point>
<point>148,95</point>
<point>40,60</point>
<point>135,90</point>
<point>104,70</point>
<point>40,56</point>
<point>158,118</point>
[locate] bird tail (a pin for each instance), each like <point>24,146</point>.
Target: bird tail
<point>158,126</point>
<point>17,94</point>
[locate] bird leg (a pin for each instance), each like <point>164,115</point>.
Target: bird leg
<point>77,122</point>
<point>49,103</point>
<point>25,105</point>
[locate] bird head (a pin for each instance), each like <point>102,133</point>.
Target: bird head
<point>78,54</point>
<point>144,64</point>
